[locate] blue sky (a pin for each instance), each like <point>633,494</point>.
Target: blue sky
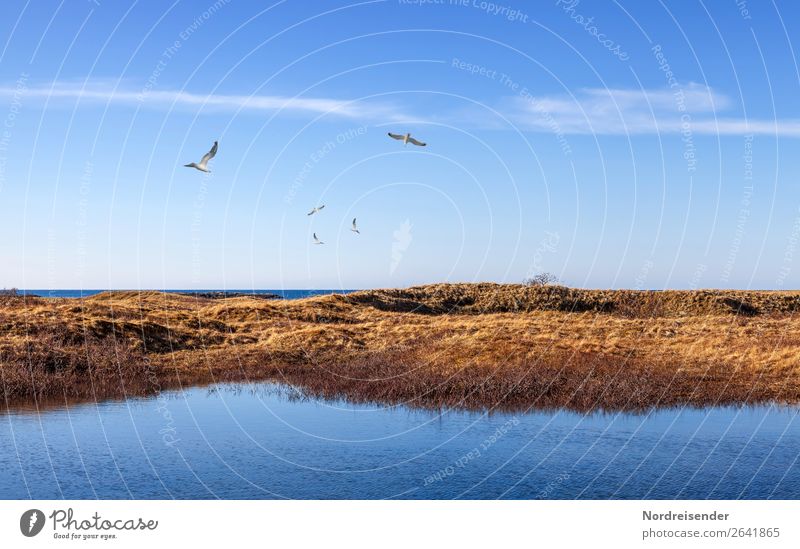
<point>614,144</point>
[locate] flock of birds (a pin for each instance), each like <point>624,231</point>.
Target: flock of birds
<point>203,167</point>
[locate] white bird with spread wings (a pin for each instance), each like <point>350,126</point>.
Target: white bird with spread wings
<point>406,139</point>
<point>316,209</point>
<point>203,164</point>
<point>355,229</point>
<point>317,240</point>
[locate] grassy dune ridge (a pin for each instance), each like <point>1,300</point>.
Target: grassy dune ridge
<point>469,345</point>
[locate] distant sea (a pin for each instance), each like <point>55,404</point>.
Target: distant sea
<point>286,294</point>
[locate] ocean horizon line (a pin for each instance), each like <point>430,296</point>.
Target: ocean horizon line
<point>286,293</point>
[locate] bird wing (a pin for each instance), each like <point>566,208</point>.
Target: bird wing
<point>312,211</point>
<point>315,237</point>
<point>354,222</point>
<point>395,136</point>
<point>209,155</point>
<point>415,142</point>
<point>321,207</point>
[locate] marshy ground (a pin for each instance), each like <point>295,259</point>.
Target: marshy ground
<point>462,345</point>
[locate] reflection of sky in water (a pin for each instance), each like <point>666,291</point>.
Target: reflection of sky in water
<point>259,444</point>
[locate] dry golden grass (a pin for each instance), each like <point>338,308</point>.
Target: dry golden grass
<point>472,345</point>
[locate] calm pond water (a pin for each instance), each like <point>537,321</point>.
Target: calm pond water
<point>255,442</point>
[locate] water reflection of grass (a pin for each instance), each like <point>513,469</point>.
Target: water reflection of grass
<point>472,346</point>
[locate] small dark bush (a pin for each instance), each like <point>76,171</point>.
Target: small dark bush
<point>541,279</point>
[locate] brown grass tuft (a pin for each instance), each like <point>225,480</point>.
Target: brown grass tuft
<point>55,362</point>
<point>469,345</point>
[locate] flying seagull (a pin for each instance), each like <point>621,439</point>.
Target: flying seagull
<point>317,240</point>
<point>203,164</point>
<point>406,139</point>
<point>316,209</point>
<point>354,229</point>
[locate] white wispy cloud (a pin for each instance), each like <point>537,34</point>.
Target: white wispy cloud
<point>599,111</point>
<point>106,92</point>
<point>694,108</point>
